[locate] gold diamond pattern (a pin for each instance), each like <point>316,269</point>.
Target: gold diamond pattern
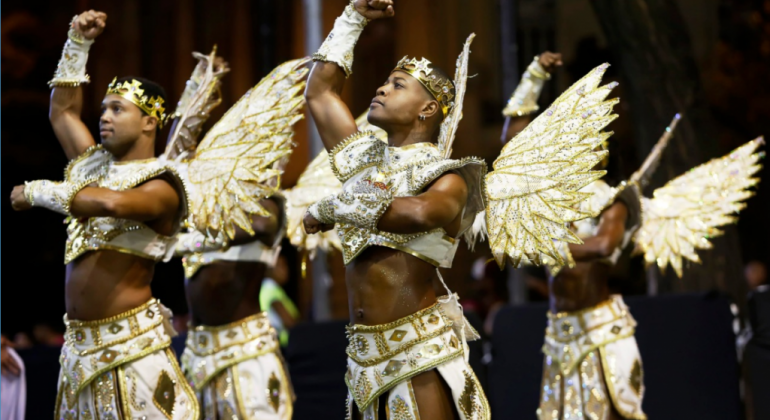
<point>115,328</point>
<point>363,387</point>
<point>392,368</point>
<point>203,340</point>
<point>108,356</point>
<point>80,336</point>
<point>433,319</point>
<point>397,335</point>
<point>616,329</point>
<point>150,314</point>
<point>164,396</point>
<point>274,391</point>
<point>429,351</point>
<point>231,334</point>
<point>635,378</point>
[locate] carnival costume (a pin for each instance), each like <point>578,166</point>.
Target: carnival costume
<point>236,369</point>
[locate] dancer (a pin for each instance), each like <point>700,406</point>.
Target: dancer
<point>404,205</point>
<point>124,208</point>
<point>592,364</point>
<point>232,357</point>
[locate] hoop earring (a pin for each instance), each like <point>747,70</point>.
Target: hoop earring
<point>422,117</point>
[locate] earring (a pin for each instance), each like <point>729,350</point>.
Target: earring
<point>422,117</point>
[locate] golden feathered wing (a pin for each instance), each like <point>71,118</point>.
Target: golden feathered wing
<point>533,191</point>
<point>686,212</point>
<point>239,161</point>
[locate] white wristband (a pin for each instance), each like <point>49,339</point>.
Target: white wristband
<point>338,46</point>
<point>524,98</point>
<point>55,196</point>
<point>71,71</point>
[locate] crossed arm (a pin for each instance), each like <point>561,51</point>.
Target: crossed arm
<point>150,201</point>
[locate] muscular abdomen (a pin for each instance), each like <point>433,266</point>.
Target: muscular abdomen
<point>385,285</point>
<point>104,283</point>
<point>580,287</point>
<point>224,292</point>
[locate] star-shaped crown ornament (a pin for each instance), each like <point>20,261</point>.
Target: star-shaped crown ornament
<point>439,87</point>
<point>132,91</point>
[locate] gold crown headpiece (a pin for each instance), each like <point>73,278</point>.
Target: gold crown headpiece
<point>132,91</point>
<point>440,88</point>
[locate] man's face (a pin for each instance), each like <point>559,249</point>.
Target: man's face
<point>121,123</point>
<point>399,101</point>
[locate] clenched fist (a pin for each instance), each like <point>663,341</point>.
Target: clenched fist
<point>549,61</point>
<point>375,9</point>
<point>90,24</point>
<point>18,200</point>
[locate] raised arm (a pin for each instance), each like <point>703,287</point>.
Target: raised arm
<point>333,63</point>
<point>67,94</point>
<point>523,101</point>
<point>609,235</point>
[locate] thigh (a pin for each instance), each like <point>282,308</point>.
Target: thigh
<point>433,396</point>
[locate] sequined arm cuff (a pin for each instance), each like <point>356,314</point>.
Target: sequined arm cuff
<point>363,205</point>
<point>323,210</point>
<point>55,196</point>
<point>195,241</point>
<point>71,71</point>
<point>338,46</point>
<point>524,98</point>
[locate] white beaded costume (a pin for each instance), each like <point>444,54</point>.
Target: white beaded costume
<point>237,370</point>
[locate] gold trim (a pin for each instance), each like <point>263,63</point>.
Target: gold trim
<point>584,331</point>
<point>611,390</point>
<point>559,315</point>
<point>572,365</point>
<point>395,381</point>
<point>414,146</point>
<point>234,324</point>
<point>232,362</point>
<point>360,328</point>
<point>119,317</point>
<point>121,379</point>
<point>415,409</point>
<point>216,347</point>
<point>400,349</point>
<point>101,347</point>
<point>192,399</point>
<point>389,244</point>
<point>342,145</point>
<point>233,371</point>
<point>83,156</point>
<point>115,364</point>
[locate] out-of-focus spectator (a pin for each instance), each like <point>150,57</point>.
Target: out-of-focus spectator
<point>46,335</point>
<point>181,322</point>
<point>21,341</point>
<point>756,274</point>
<point>281,310</point>
<point>13,385</point>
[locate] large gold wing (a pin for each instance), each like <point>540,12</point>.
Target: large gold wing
<point>316,182</point>
<point>201,95</point>
<point>685,213</point>
<point>239,161</point>
<point>533,190</point>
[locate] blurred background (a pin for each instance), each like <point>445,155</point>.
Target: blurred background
<point>707,59</point>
